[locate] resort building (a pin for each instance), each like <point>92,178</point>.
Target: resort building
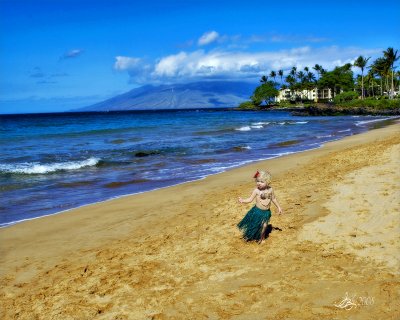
<point>314,95</point>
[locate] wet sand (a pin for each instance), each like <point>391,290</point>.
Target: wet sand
<point>175,253</point>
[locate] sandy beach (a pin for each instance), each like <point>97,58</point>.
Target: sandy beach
<point>175,253</point>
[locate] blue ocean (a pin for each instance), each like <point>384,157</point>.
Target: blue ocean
<point>53,162</point>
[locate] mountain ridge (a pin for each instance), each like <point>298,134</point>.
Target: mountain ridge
<point>201,94</point>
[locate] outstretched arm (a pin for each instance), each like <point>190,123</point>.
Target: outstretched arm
<point>275,202</point>
<point>249,199</point>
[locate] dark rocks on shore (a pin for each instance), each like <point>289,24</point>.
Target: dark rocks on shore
<point>327,109</point>
<point>142,154</point>
<point>332,110</point>
<point>285,143</point>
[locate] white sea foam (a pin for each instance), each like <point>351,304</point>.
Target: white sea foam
<point>260,123</point>
<point>245,128</point>
<point>327,136</point>
<point>301,122</point>
<point>257,127</point>
<point>210,171</point>
<point>360,123</point>
<point>37,168</point>
<point>347,130</point>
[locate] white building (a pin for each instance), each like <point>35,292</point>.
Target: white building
<point>314,95</point>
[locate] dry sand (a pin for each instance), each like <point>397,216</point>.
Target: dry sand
<point>175,253</point>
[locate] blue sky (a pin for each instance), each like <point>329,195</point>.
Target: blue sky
<point>56,55</point>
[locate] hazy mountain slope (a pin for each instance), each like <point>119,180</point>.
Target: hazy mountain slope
<point>210,94</point>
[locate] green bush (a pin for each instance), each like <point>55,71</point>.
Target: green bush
<point>285,104</point>
<point>265,92</point>
<point>247,105</point>
<point>371,103</point>
<point>345,96</point>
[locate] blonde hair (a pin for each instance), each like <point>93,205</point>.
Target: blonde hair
<point>264,176</point>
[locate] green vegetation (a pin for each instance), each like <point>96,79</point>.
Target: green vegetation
<point>360,107</point>
<point>375,104</point>
<point>375,89</point>
<point>361,62</point>
<point>266,92</point>
<point>338,80</point>
<point>345,96</point>
<point>247,105</point>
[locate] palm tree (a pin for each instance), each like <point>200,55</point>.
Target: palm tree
<point>311,77</point>
<point>361,62</point>
<point>273,75</point>
<point>318,69</point>
<point>301,75</point>
<point>292,82</point>
<point>302,78</point>
<point>371,81</point>
<point>375,70</point>
<point>391,57</point>
<point>264,79</point>
<point>280,73</point>
<point>381,68</point>
<point>310,81</point>
<point>293,73</point>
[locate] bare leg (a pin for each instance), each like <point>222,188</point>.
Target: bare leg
<point>263,232</point>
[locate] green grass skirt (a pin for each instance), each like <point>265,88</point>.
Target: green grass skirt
<point>252,223</point>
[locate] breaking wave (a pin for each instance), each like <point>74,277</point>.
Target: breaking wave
<point>38,168</point>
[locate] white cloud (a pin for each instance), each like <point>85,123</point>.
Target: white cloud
<point>200,64</point>
<point>239,40</point>
<point>208,38</point>
<point>125,63</point>
<point>137,68</point>
<point>225,64</point>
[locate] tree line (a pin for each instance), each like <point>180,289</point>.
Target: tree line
<point>378,79</point>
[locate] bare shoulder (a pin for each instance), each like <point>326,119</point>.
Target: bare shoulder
<point>271,190</point>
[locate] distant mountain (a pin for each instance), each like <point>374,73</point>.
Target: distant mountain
<point>206,94</point>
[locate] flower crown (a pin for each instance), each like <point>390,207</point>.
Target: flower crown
<point>265,174</point>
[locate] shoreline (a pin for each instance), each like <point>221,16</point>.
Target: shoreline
<point>176,251</point>
<point>242,166</point>
<point>230,167</point>
<point>233,167</point>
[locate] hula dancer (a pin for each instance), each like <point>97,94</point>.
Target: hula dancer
<point>254,224</point>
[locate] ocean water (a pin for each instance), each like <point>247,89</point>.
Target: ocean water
<point>53,162</point>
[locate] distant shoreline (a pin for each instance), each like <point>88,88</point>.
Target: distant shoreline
<point>322,109</point>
